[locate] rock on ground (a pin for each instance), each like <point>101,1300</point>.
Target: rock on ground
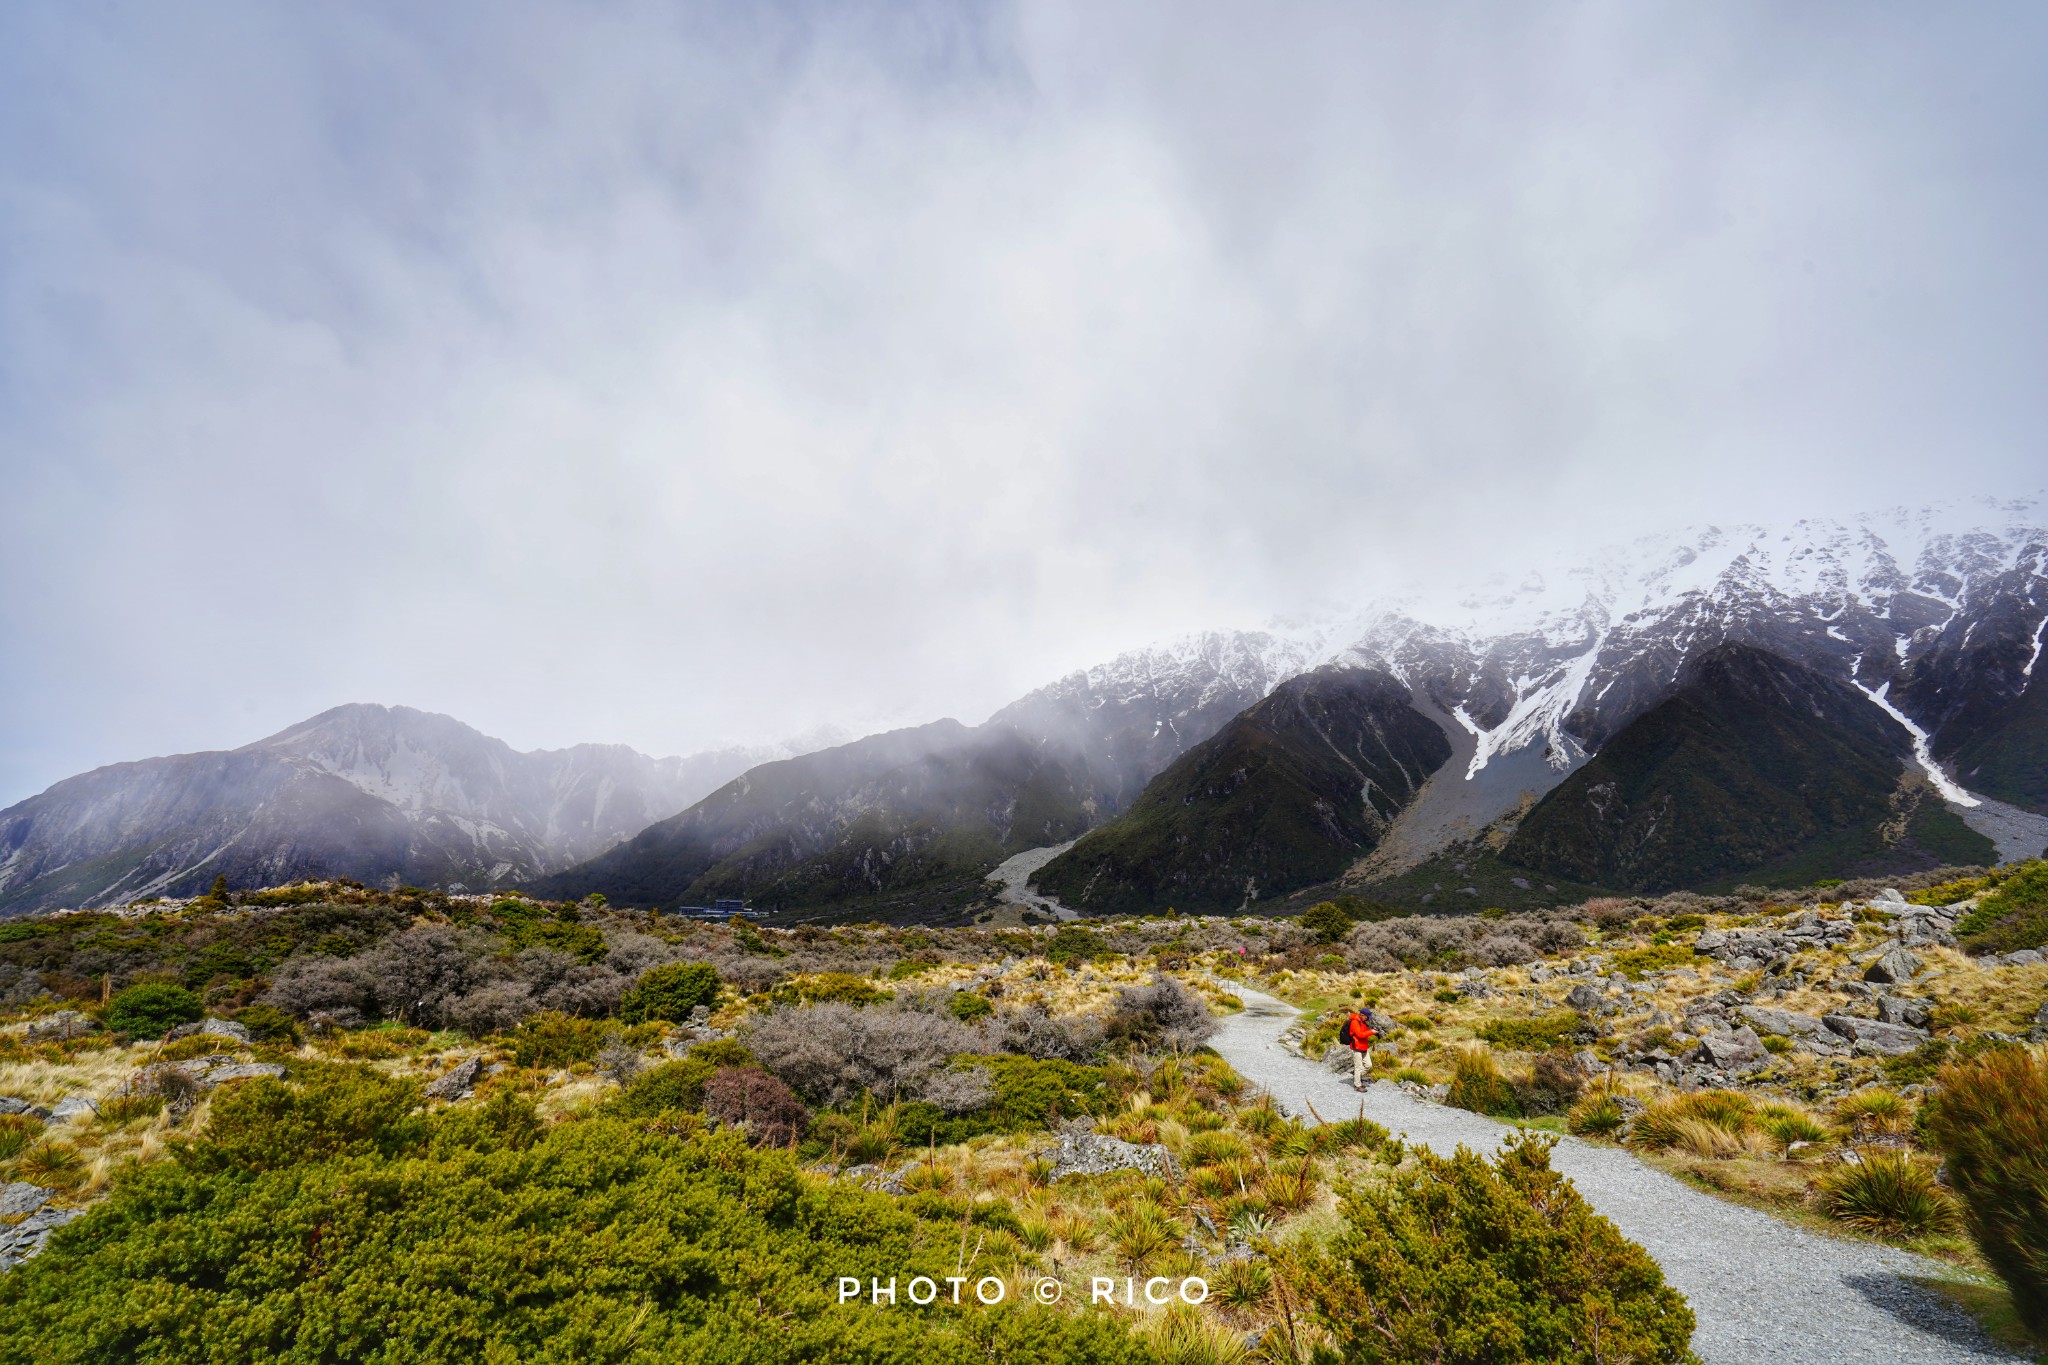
<point>1083,1151</point>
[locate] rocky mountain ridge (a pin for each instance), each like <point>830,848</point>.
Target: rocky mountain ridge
<point>383,795</point>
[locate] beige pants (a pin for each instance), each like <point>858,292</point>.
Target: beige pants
<point>1361,1063</point>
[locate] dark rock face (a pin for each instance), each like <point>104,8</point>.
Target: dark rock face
<point>1289,793</point>
<point>383,795</point>
<point>1978,690</point>
<point>1753,762</point>
<point>927,807</point>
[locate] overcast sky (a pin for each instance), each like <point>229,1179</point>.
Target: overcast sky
<point>672,374</point>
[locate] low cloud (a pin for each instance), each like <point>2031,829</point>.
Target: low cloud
<point>676,376</point>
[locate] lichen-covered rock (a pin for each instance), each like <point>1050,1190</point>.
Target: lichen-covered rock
<point>218,1028</point>
<point>1875,1037</point>
<point>1082,1151</point>
<point>1893,966</point>
<point>1912,1013</point>
<point>27,1237</point>
<point>10,1105</point>
<point>457,1081</point>
<point>1729,1051</point>
<point>73,1107</point>
<point>1779,1023</point>
<point>20,1199</point>
<point>64,1024</point>
<point>243,1071</point>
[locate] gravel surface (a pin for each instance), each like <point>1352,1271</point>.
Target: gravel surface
<point>1762,1290</point>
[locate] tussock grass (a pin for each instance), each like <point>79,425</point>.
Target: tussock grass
<point>1889,1193</point>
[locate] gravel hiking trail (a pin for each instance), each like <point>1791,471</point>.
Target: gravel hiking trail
<point>1762,1290</point>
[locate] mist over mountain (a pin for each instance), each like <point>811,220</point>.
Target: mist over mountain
<point>921,813</point>
<point>381,794</point>
<point>1288,793</point>
<point>1921,628</point>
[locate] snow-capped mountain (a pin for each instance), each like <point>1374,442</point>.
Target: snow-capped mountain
<point>380,794</point>
<point>1936,614</point>
<point>1132,716</point>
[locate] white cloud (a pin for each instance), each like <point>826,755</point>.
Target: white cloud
<point>675,376</point>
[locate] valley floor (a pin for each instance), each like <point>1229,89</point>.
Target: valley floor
<point>1763,1290</point>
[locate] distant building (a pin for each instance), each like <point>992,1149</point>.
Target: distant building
<point>724,909</point>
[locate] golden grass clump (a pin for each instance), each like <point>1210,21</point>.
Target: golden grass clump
<point>1874,1111</point>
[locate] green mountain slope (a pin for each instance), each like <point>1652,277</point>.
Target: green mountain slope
<point>1755,769</point>
<point>1289,793</point>
<point>935,806</point>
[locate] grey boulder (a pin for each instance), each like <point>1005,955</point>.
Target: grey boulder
<point>1893,966</point>
<point>64,1024</point>
<point>1876,1037</point>
<point>1585,997</point>
<point>1912,1013</point>
<point>217,1028</point>
<point>20,1199</point>
<point>27,1237</point>
<point>1782,1023</point>
<point>73,1107</point>
<point>1729,1050</point>
<point>1083,1151</point>
<point>458,1081</point>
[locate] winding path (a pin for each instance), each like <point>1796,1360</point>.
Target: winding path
<point>1763,1291</point>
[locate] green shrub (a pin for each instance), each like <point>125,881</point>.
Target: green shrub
<point>2014,916</point>
<point>1029,1094</point>
<point>594,1240</point>
<point>1531,1035</point>
<point>678,1085</point>
<point>670,992</point>
<point>1552,1086</point>
<point>1477,1085</point>
<point>1874,1110</point>
<point>152,1009</point>
<point>268,1024</point>
<point>1457,1259</point>
<point>1072,943</point>
<point>1888,1193</point>
<point>821,988</point>
<point>554,1039</point>
<point>1990,1122</point>
<point>1636,963</point>
<point>967,1006</point>
<point>336,1111</point>
<point>1327,921</point>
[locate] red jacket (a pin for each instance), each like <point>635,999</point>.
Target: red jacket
<point>1358,1032</point>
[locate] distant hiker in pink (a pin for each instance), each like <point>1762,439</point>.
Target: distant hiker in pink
<point>1357,1034</point>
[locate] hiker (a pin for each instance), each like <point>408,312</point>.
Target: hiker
<point>1357,1033</point>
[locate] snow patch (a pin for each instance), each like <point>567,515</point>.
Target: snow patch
<point>1950,790</point>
